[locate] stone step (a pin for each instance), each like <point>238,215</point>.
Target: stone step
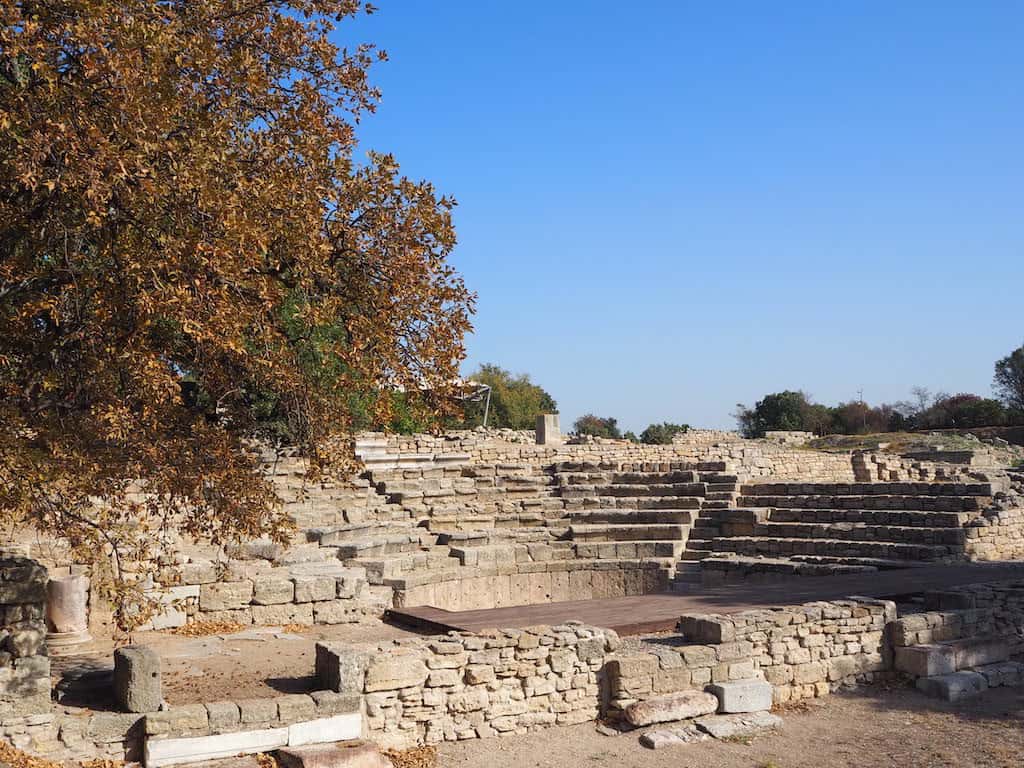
<point>333,536</point>
<point>629,550</point>
<point>784,547</point>
<point>634,490</point>
<point>654,478</point>
<point>951,537</point>
<point>643,502</point>
<point>867,489</point>
<point>951,655</point>
<point>872,517</point>
<point>630,516</point>
<point>612,532</point>
<point>873,502</point>
<point>715,570</point>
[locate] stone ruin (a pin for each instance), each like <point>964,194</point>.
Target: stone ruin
<point>476,520</point>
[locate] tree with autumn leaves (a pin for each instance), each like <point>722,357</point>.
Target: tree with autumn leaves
<point>191,247</point>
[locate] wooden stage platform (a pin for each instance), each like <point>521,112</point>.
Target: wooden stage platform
<point>659,612</point>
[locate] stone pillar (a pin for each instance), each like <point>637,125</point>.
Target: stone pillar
<point>137,686</point>
<point>24,666</point>
<point>67,614</point>
<point>548,431</point>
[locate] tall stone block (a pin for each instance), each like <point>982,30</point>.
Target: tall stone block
<point>137,679</point>
<point>548,430</point>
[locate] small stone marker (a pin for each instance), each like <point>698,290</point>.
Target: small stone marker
<point>548,429</point>
<point>340,668</point>
<point>742,696</point>
<point>137,679</point>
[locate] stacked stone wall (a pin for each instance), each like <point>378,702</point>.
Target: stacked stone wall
<point>24,665</point>
<point>25,706</point>
<point>514,681</point>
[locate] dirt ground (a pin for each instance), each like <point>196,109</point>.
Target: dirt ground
<point>253,663</point>
<point>870,728</point>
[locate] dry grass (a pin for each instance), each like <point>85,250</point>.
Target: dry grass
<point>207,628</point>
<point>418,757</point>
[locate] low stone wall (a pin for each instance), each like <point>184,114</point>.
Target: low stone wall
<point>500,682</point>
<point>474,686</point>
<point>24,665</point>
<point>254,592</point>
<point>803,651</point>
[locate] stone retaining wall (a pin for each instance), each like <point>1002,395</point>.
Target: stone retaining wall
<point>474,686</point>
<point>996,535</point>
<point>803,651</point>
<point>513,681</point>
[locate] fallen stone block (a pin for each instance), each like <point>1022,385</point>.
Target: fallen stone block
<point>676,706</point>
<point>1006,673</point>
<point>348,754</point>
<point>738,726</point>
<point>738,696</point>
<point>953,687</point>
<point>672,737</point>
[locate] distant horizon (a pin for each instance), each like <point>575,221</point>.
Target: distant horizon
<point>670,211</point>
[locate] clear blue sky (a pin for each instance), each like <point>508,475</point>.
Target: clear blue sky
<point>667,208</point>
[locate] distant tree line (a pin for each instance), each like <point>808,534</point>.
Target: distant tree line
<point>794,410</point>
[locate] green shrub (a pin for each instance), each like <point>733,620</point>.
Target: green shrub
<point>662,434</point>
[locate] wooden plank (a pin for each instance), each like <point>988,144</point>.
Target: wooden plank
<point>660,612</point>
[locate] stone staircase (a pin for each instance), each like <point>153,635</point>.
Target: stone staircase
<point>799,529</point>
<point>638,511</point>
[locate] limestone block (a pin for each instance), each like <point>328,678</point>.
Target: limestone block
<point>326,729</point>
<point>257,711</point>
<point>737,696</point>
<point>295,708</point>
<point>177,721</point>
<point>285,613</point>
<point>225,596</point>
<point>388,673</point>
<point>309,589</point>
<point>677,706</point>
<point>340,667</point>
<point>137,679</point>
<point>222,715</point>
<point>334,703</point>
<point>335,612</point>
<point>953,687</point>
<point>673,737</point>
<point>926,660</point>
<point>351,754</point>
<point>161,752</point>
<point>738,726</point>
<point>272,590</point>
<point>22,643</point>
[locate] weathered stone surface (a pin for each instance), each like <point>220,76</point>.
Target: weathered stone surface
<point>177,721</point>
<point>223,716</point>
<point>738,726</point>
<point>272,590</point>
<point>677,706</point>
<point>953,687</point>
<point>225,596</point>
<point>326,729</point>
<point>349,754</point>
<point>340,667</point>
<point>391,673</point>
<point>926,660</point>
<point>137,685</point>
<point>737,696</point>
<point>672,737</point>
<point>161,752</point>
